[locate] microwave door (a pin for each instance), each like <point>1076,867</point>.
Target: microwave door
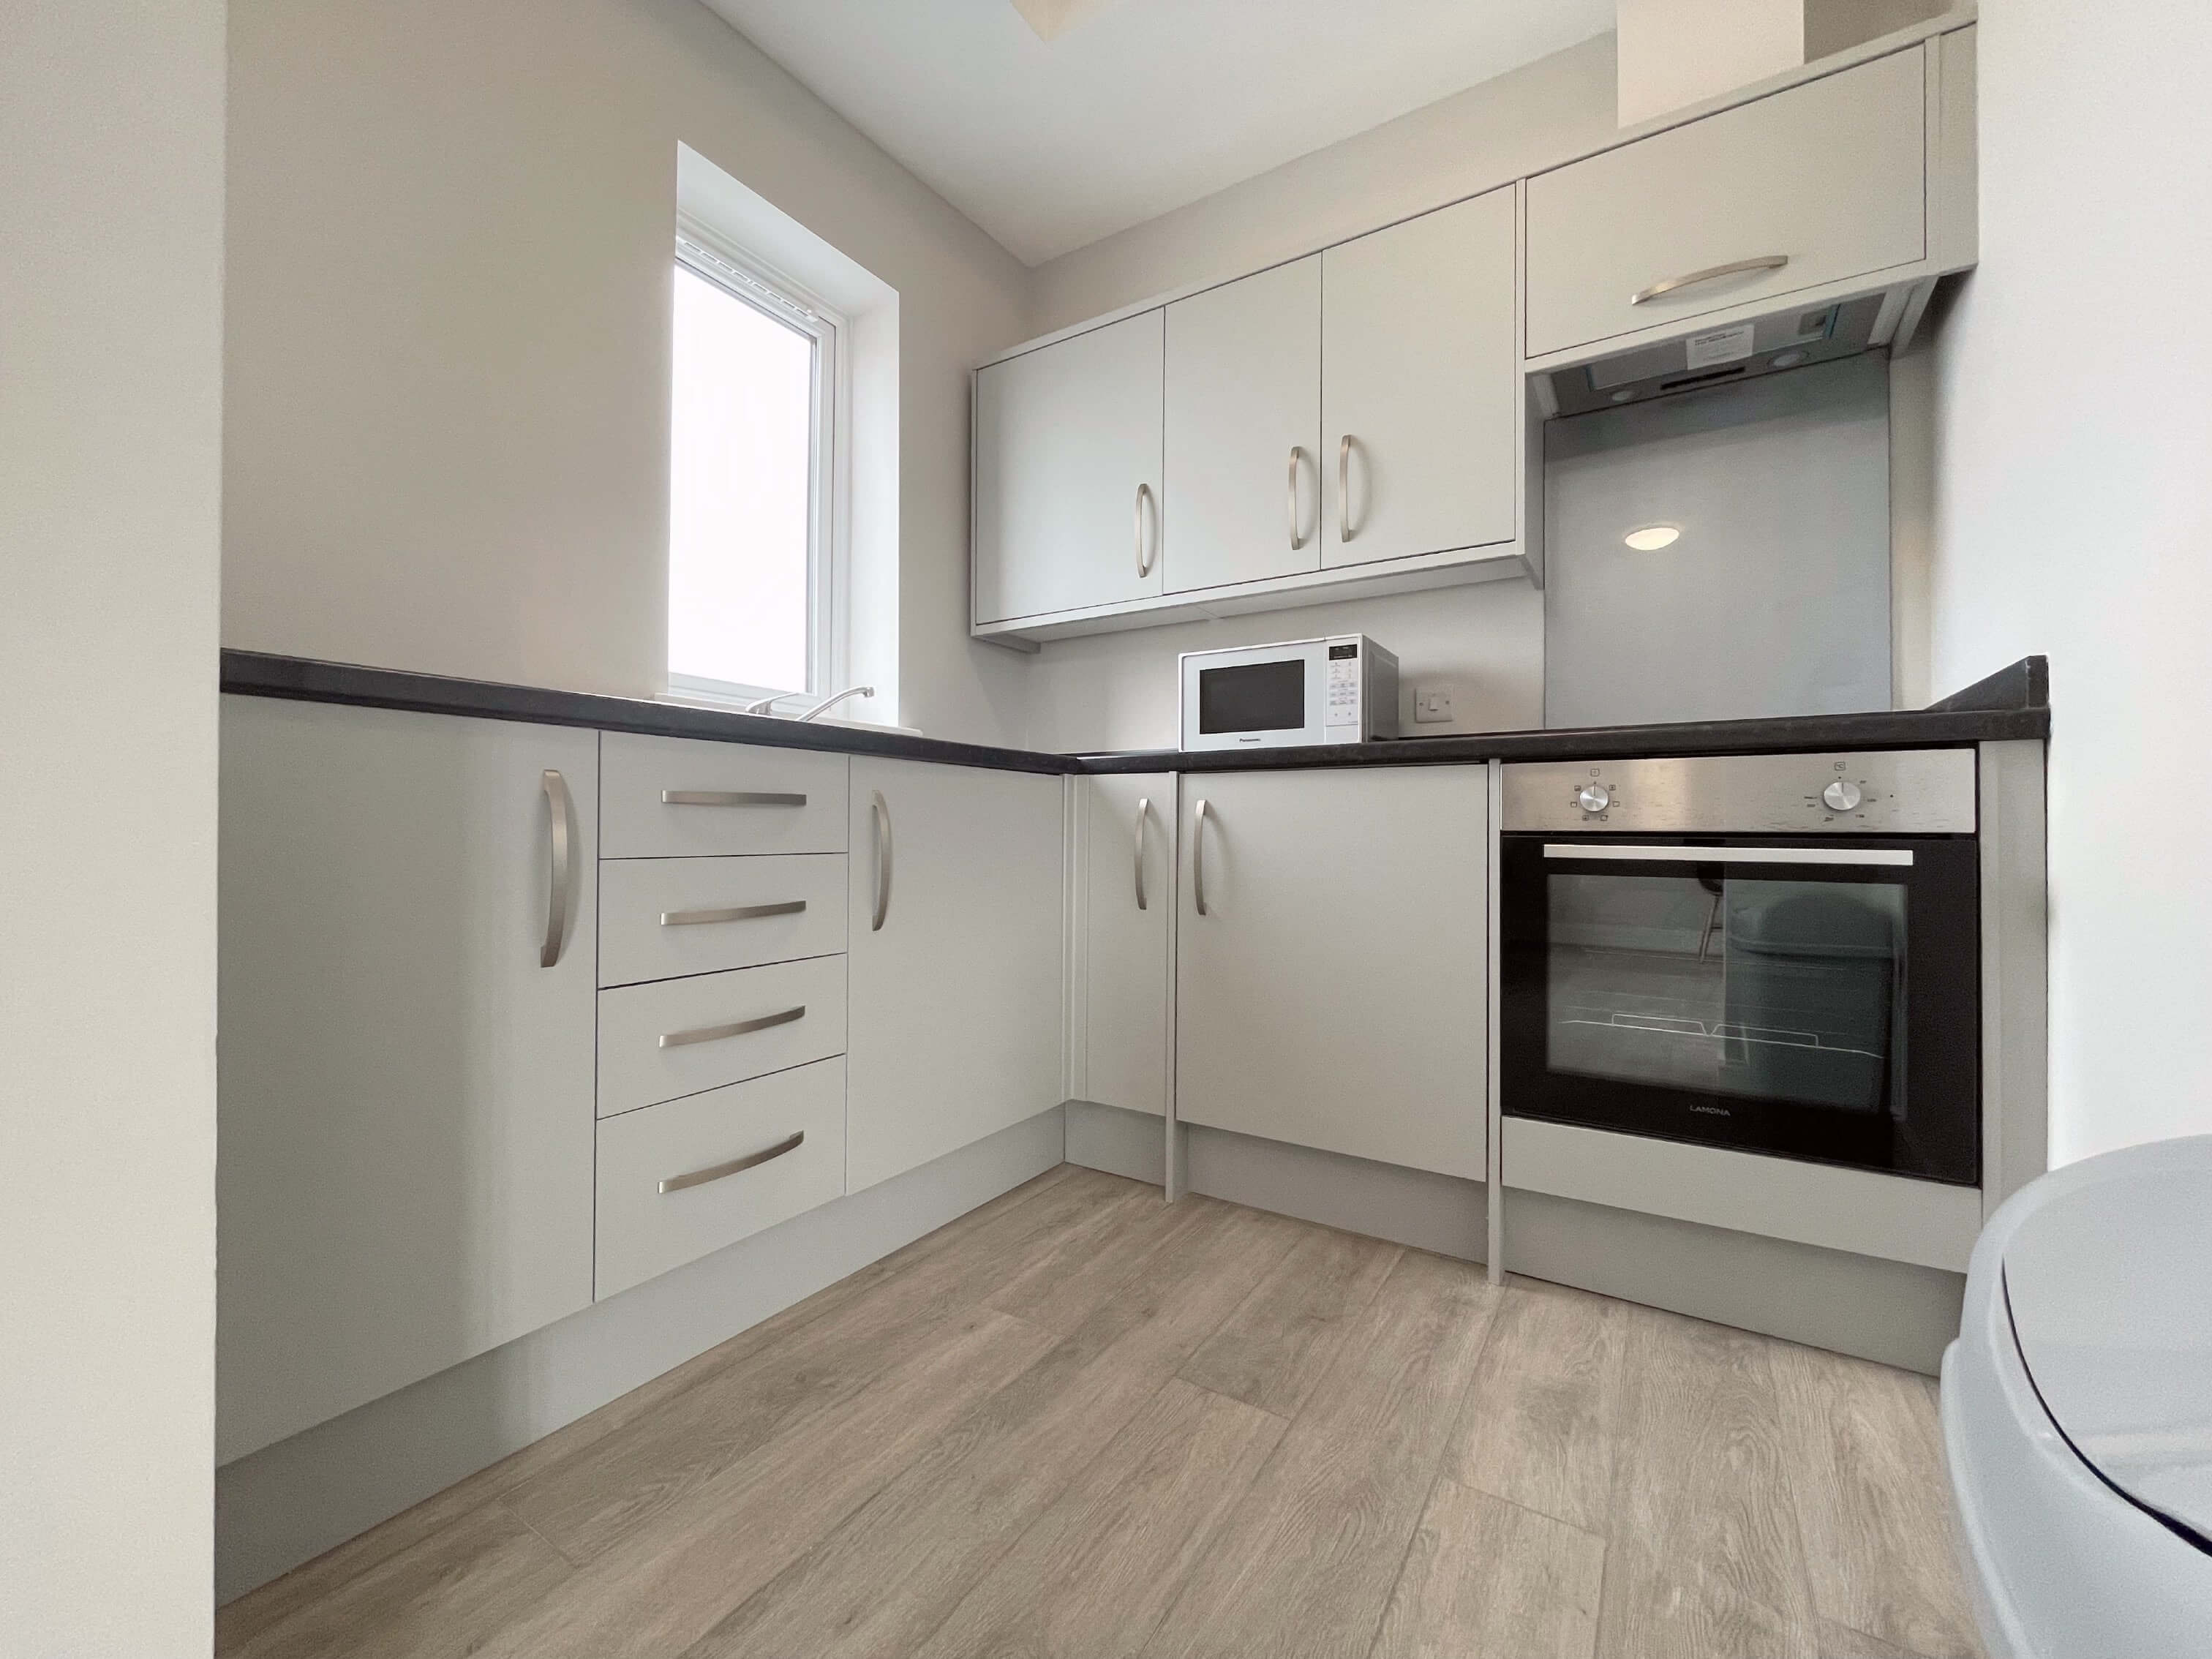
<point>1268,701</point>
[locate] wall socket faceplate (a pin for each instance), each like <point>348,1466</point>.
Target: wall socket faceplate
<point>1431,703</point>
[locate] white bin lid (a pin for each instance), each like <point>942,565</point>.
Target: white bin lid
<point>2110,1290</point>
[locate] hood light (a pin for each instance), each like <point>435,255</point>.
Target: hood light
<point>1653,537</point>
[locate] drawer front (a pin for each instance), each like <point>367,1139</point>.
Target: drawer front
<point>689,1143</point>
<point>677,1037</point>
<point>1829,174</point>
<point>666,918</point>
<point>729,798</point>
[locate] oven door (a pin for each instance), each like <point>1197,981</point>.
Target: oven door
<point>1817,1001</point>
<point>1266,697</point>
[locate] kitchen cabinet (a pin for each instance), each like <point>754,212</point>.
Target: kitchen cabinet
<point>955,1003</point>
<point>1331,955</point>
<point>1067,473</point>
<point>1127,915</point>
<point>1243,427</point>
<point>407,966</point>
<point>1817,183</point>
<point>1421,396</point>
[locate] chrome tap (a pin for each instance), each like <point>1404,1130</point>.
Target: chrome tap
<point>835,698</point>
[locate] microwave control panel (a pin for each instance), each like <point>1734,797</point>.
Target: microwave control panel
<point>1341,694</point>
<point>1898,791</point>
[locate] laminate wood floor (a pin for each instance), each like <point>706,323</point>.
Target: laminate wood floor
<point>1080,1421</point>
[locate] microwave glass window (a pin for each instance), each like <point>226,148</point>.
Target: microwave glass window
<point>1259,696</point>
<point>1789,992</point>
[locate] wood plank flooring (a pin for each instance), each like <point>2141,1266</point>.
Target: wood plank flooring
<point>1081,1422</point>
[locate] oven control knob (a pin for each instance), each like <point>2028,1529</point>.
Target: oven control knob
<point>1842,795</point>
<point>1595,798</point>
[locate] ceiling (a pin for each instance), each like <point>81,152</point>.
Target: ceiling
<point>1133,106</point>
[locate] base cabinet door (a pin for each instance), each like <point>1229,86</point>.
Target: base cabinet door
<point>1128,907</point>
<point>1331,948</point>
<point>955,1005</point>
<point>407,984</point>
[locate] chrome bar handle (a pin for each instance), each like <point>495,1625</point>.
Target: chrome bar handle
<point>1344,489</point>
<point>1144,560</point>
<point>731,913</point>
<point>1710,273</point>
<point>716,1171</point>
<point>1198,856</point>
<point>1144,811</point>
<point>1297,540</point>
<point>1860,857</point>
<point>560,896</point>
<point>729,798</point>
<point>879,814</point>
<point>735,1028</point>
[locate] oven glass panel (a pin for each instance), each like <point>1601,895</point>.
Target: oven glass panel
<point>1259,696</point>
<point>1827,1011</point>
<point>1785,991</point>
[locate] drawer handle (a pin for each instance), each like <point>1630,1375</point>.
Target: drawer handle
<point>734,913</point>
<point>736,1165</point>
<point>735,1028</point>
<point>729,798</point>
<point>1710,273</point>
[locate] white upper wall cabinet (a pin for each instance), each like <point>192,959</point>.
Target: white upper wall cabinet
<point>1421,407</point>
<point>1813,184</point>
<point>1243,422</point>
<point>1067,474</point>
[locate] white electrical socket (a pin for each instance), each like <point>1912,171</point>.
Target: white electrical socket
<point>1431,703</point>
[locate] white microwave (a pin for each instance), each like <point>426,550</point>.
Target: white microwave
<point>1340,690</point>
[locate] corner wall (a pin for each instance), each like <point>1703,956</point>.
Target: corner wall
<point>450,238</point>
<point>2073,477</point>
<point>111,309</point>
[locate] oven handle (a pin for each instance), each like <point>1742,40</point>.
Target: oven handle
<point>1844,856</point>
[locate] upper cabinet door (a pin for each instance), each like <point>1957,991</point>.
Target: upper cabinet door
<point>1816,184</point>
<point>1421,386</point>
<point>1243,420</point>
<point>1067,474</point>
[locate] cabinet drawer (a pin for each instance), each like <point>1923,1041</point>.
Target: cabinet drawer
<point>677,1037</point>
<point>730,797</point>
<point>1829,175</point>
<point>793,1123</point>
<point>665,918</point>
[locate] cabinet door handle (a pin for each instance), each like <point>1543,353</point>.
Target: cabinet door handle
<point>1297,540</point>
<point>1198,856</point>
<point>1710,273</point>
<point>732,913</point>
<point>1144,559</point>
<point>1344,489</point>
<point>735,1028</point>
<point>880,814</point>
<point>1144,811</point>
<point>729,798</point>
<point>716,1171</point>
<point>560,896</point>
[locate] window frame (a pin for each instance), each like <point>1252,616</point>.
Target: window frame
<point>745,277</point>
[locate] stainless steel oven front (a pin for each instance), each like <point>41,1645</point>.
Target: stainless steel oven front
<point>1778,953</point>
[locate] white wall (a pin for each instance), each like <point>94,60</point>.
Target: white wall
<point>2074,517</point>
<point>111,271</point>
<point>449,244</point>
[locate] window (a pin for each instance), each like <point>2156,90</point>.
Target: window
<point>752,530</point>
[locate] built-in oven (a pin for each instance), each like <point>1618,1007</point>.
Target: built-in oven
<point>1778,953</point>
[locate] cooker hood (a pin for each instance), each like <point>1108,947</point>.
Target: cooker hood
<point>1778,341</point>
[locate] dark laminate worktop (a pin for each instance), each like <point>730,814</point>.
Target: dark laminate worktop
<point>2014,703</point>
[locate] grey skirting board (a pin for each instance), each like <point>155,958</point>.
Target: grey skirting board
<point>2014,703</point>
